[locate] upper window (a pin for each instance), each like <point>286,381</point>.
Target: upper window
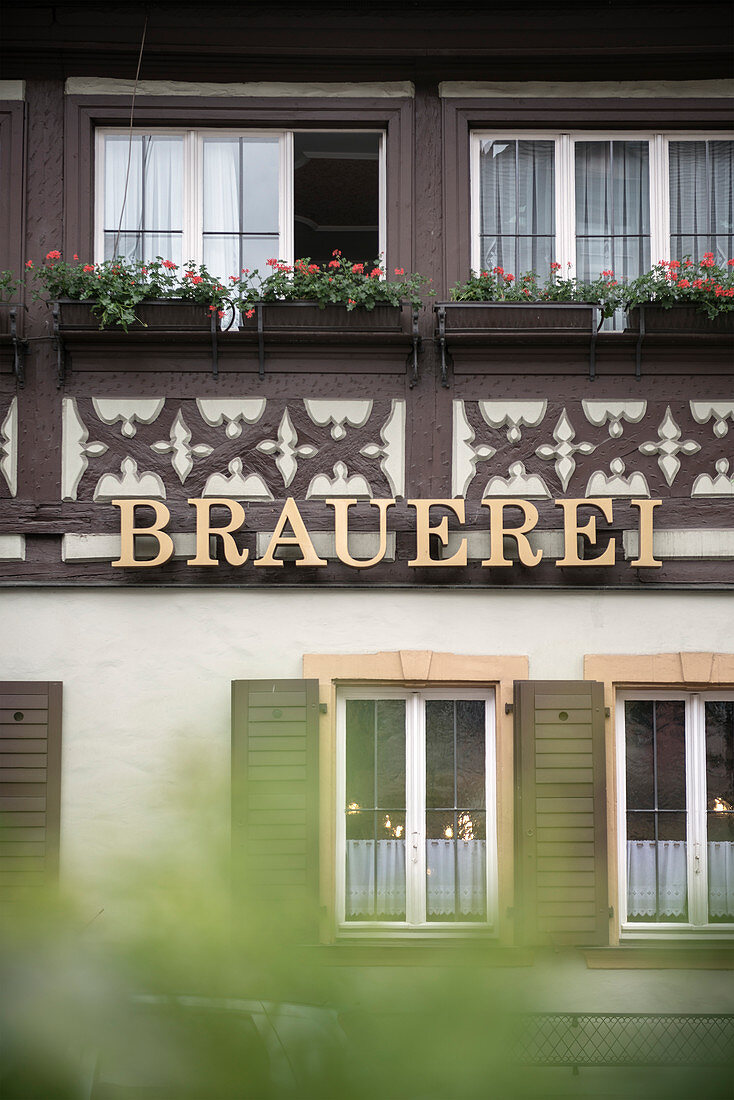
<point>676,810</point>
<point>598,202</point>
<point>416,845</point>
<point>233,200</point>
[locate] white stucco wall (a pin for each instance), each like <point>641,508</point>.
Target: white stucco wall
<point>147,674</point>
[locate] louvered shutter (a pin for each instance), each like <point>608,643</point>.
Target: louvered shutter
<point>30,787</point>
<point>561,813</point>
<point>275,797</point>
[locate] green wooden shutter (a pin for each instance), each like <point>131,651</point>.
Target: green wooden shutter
<point>275,796</point>
<point>561,813</point>
<point>30,787</point>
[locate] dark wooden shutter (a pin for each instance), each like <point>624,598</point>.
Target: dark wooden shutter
<point>30,787</point>
<point>275,797</point>
<point>561,813</point>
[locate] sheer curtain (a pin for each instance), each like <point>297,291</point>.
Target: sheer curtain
<point>656,879</point>
<point>612,208</point>
<point>517,205</point>
<point>149,197</point>
<point>241,204</point>
<point>456,876</point>
<point>388,863</point>
<point>701,199</point>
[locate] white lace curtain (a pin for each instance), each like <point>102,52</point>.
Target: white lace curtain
<point>657,879</point>
<point>444,859</point>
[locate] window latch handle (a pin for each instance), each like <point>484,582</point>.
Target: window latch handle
<point>697,857</point>
<point>416,837</point>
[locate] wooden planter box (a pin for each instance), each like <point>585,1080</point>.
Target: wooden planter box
<point>680,319</point>
<point>308,317</point>
<point>165,315</point>
<point>513,318</point>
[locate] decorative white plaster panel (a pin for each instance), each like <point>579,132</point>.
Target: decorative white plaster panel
<point>143,410</point>
<point>617,484</point>
<point>721,411</point>
<point>180,448</point>
<point>238,485</point>
<point>668,446</point>
<point>233,412</point>
<point>130,483</point>
<point>337,413</point>
<point>519,484</point>
<point>599,412</point>
<point>341,485</point>
<point>9,447</point>
<point>12,547</point>
<point>464,455</point>
<point>75,450</point>
<point>514,415</point>
<point>286,449</point>
<point>722,485</point>
<point>564,452</point>
<point>391,452</point>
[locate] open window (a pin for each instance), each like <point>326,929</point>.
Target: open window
<point>234,199</point>
<point>416,817</point>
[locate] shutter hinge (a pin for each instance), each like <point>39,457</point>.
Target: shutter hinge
<point>323,708</point>
<point>610,911</point>
<point>607,712</point>
<point>509,708</point>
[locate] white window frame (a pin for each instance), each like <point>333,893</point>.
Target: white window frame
<point>565,183</point>
<point>415,777</point>
<point>193,199</point>
<point>696,835</point>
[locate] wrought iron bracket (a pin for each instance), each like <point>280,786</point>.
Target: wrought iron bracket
<point>20,347</point>
<point>640,338</point>
<point>59,345</point>
<point>412,360</point>
<point>446,360</point>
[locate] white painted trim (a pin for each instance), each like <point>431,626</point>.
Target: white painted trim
<point>696,543</point>
<point>95,85</point>
<point>12,547</point>
<point>107,548</point>
<point>12,90</point>
<point>415,791</point>
<point>616,89</point>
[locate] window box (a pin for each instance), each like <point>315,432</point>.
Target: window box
<point>467,323</point>
<point>12,347</point>
<point>306,322</point>
<point>679,319</point>
<point>164,321</point>
<point>165,315</point>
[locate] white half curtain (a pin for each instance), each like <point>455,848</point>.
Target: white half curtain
<point>721,878</point>
<point>517,196</point>
<point>360,900</point>
<point>702,199</point>
<point>444,860</point>
<point>667,871</point>
<point>149,197</point>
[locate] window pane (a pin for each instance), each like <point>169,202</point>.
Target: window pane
<point>375,809</point>
<point>702,199</point>
<point>656,810</point>
<point>719,716</point>
<point>456,883</point>
<point>517,204</point>
<point>143,202</point>
<point>241,203</point>
<point>612,208</point>
<point>456,867</point>
<point>336,195</point>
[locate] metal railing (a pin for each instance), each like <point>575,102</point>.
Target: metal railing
<point>624,1039</point>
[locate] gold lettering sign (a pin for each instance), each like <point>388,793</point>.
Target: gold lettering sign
<point>575,530</point>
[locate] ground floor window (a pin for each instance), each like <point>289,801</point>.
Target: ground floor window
<point>676,795</point>
<point>416,832</point>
